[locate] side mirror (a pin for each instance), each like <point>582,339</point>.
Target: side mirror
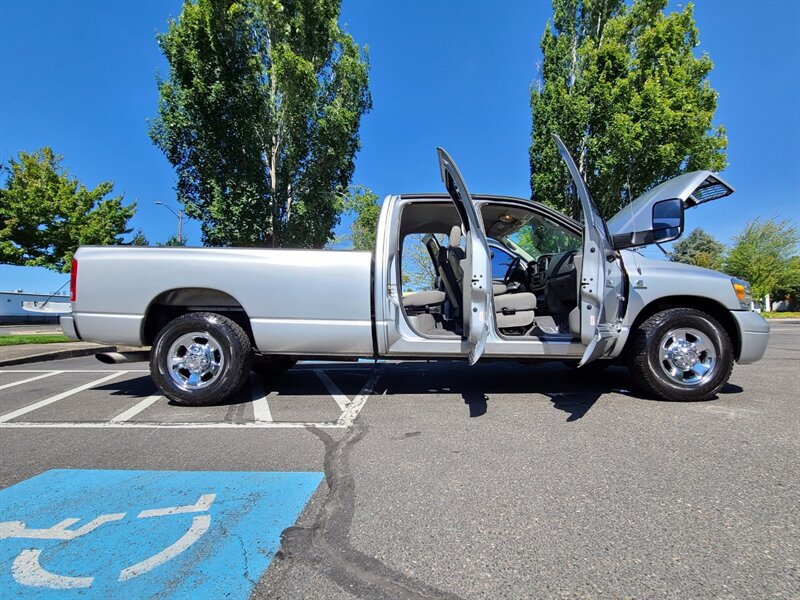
<point>667,220</point>
<point>665,225</point>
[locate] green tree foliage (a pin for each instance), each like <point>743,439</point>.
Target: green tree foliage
<point>362,202</point>
<point>260,117</point>
<point>763,255</point>
<point>700,249</point>
<point>622,87</point>
<point>172,242</point>
<point>138,239</point>
<point>790,282</point>
<point>45,213</point>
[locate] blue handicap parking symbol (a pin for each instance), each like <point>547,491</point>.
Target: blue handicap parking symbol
<point>144,534</point>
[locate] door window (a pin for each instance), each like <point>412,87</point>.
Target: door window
<point>417,271</point>
<point>501,260</point>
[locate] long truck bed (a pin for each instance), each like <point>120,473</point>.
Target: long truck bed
<point>297,301</point>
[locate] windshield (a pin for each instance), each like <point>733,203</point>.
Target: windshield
<point>539,236</point>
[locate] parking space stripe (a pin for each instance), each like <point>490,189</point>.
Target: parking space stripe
<point>342,400</point>
<point>136,409</point>
<point>72,371</point>
<point>146,425</point>
<point>351,412</point>
<point>261,410</point>
<point>30,408</point>
<point>50,374</point>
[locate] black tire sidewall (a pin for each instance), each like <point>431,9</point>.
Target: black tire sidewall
<point>234,355</point>
<point>716,335</point>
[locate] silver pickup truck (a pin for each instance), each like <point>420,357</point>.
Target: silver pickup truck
<point>512,279</point>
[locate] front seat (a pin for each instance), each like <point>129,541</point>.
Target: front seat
<point>455,254</point>
<point>452,274</point>
<point>511,310</point>
<point>514,310</point>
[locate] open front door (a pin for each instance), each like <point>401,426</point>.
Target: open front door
<point>477,285</point>
<point>601,274</point>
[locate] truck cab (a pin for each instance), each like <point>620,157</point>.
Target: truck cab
<point>516,279</point>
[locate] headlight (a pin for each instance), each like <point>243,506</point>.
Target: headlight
<point>743,293</point>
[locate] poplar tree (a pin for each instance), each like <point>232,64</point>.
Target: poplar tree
<point>259,116</point>
<point>623,87</point>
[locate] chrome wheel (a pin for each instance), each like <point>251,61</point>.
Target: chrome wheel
<point>687,356</point>
<point>195,360</point>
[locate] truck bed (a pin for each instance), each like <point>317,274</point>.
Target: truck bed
<point>297,301</point>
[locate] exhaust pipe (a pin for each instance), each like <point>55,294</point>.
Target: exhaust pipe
<point>115,358</point>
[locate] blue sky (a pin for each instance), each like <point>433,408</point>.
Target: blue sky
<point>80,77</point>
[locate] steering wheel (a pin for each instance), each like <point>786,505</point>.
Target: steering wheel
<point>511,268</point>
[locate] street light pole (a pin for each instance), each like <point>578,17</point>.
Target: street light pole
<point>178,214</point>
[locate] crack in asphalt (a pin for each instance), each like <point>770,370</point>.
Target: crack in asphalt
<point>246,559</point>
<point>326,543</point>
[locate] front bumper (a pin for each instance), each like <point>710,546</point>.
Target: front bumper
<point>68,327</point>
<point>754,335</point>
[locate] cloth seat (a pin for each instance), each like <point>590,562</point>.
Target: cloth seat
<point>514,310</point>
<point>426,298</point>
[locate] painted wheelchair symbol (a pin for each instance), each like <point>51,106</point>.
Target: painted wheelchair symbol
<point>27,570</point>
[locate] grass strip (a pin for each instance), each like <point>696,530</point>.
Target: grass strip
<point>16,340</point>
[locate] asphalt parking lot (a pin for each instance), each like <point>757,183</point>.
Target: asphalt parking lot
<point>413,480</point>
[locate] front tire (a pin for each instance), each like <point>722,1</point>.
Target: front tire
<point>681,354</point>
<point>200,359</point>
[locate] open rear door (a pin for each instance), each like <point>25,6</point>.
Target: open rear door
<point>477,264</point>
<point>601,275</point>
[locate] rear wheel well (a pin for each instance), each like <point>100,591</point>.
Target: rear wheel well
<point>172,304</point>
<point>706,305</point>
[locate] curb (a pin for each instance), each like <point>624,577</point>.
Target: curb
<point>56,355</point>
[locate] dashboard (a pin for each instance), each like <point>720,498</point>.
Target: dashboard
<point>553,278</point>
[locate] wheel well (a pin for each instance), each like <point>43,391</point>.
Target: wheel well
<point>706,305</point>
<point>173,303</point>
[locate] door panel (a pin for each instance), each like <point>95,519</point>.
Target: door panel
<point>600,286</point>
<point>477,283</point>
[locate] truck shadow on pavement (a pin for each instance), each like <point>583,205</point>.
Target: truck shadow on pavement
<point>569,390</point>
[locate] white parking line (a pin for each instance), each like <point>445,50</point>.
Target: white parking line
<point>135,410</point>
<point>146,425</point>
<point>72,371</point>
<point>351,412</point>
<point>25,410</point>
<point>8,385</point>
<point>261,410</point>
<point>262,414</point>
<point>340,399</point>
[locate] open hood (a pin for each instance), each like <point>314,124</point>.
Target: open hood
<point>635,223</point>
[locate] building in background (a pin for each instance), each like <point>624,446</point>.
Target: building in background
<point>47,307</point>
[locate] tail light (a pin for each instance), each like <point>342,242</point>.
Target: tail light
<point>73,281</point>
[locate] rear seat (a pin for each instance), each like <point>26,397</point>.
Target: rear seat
<point>423,299</point>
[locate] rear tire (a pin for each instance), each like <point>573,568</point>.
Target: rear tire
<point>681,354</point>
<point>200,359</point>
